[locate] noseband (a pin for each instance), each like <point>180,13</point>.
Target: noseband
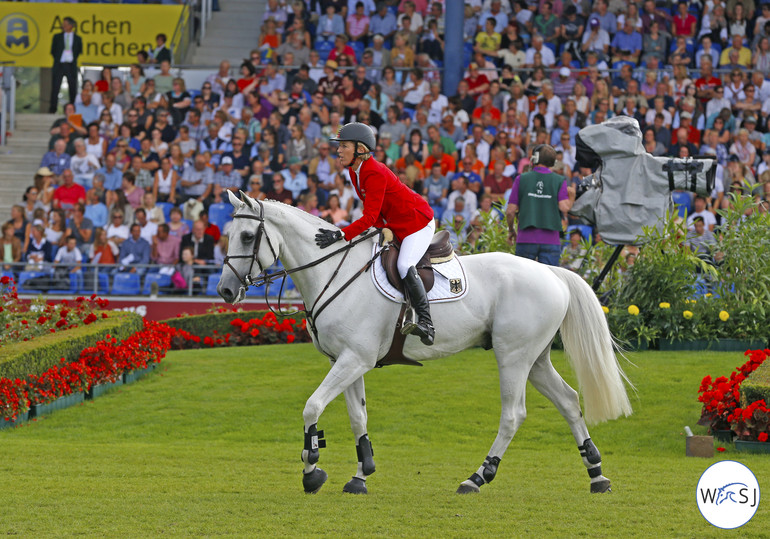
<point>246,280</point>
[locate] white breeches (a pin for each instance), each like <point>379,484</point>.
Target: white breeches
<point>413,247</point>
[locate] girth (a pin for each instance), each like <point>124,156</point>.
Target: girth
<point>439,250</point>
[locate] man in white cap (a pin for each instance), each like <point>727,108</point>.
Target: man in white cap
<point>227,177</point>
<point>563,83</point>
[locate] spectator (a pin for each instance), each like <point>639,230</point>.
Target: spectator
<point>83,165</point>
<point>278,192</point>
<point>494,11</point>
<point>383,23</point>
<point>191,281</point>
<point>295,179</point>
<point>496,184</point>
<point>456,220</point>
<point>11,247</point>
<point>57,160</point>
<point>462,191</point>
<point>149,229</point>
<point>744,53</point>
<point>227,177</point>
<point>596,39</point>
<point>436,189</point>
<point>134,252</point>
<point>102,251</point>
<point>95,210</point>
<point>329,25</point>
<point>165,247</point>
<point>69,193</point>
<point>39,249</point>
<point>538,47</point>
<point>176,226</point>
<point>202,244</point>
<point>357,24</point>
<point>197,180</point>
<point>80,227</point>
<point>68,260</point>
<point>86,107</point>
<point>31,202</point>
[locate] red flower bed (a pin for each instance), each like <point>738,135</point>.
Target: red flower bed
<point>721,402</point>
<point>265,330</point>
<point>103,362</point>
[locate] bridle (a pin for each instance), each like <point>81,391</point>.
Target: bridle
<point>266,279</point>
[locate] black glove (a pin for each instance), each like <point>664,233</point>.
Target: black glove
<point>324,238</point>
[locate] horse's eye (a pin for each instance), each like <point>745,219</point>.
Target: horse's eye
<point>247,237</point>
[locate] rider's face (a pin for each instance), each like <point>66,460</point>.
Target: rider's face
<point>345,153</point>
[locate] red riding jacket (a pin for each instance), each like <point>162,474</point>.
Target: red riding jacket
<point>387,202</point>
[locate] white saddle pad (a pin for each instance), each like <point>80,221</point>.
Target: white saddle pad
<point>450,283</point>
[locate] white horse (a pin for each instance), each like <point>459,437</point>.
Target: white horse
<point>514,306</point>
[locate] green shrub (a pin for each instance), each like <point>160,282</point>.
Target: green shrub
<point>204,325</point>
<point>757,385</point>
<point>38,355</point>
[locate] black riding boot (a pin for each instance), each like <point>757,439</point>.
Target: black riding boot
<point>419,299</point>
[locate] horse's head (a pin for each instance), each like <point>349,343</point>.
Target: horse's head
<point>250,250</point>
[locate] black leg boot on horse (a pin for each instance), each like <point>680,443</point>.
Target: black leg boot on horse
<point>423,327</point>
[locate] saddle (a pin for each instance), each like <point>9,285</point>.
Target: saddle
<point>439,250</point>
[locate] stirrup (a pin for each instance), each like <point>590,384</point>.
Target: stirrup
<point>409,321</point>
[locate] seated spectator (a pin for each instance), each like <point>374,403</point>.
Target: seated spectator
<point>176,226</point>
<point>295,179</point>
<point>191,281</point>
<point>68,260</point>
<point>496,184</point>
<point>437,155</point>
<point>330,24</point>
<point>68,193</point>
<point>596,39</point>
<point>57,160</point>
<point>278,192</point>
<point>39,249</point>
<point>11,247</point>
<point>462,191</point>
<point>436,189</point>
<point>102,251</point>
<point>31,202</point>
<point>700,239</point>
<point>134,252</point>
<point>117,231</point>
<point>197,180</point>
<point>334,213</point>
<point>743,148</point>
<point>201,243</point>
<point>149,229</point>
<point>80,227</point>
<point>165,247</point>
<point>83,165</point>
<point>456,220</point>
<point>744,53</point>
<point>209,228</point>
<point>95,210</point>
<point>111,174</point>
<point>701,211</point>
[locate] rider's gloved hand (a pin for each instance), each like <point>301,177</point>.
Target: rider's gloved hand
<point>324,238</point>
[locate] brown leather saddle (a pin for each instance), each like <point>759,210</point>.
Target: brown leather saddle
<point>439,250</point>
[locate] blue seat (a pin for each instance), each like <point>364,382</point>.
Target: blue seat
<point>164,281</point>
<point>467,54</point>
<point>211,285</point>
<point>126,284</point>
<point>76,284</point>
<point>189,223</point>
<point>25,276</point>
<point>220,213</point>
<point>275,288</point>
<point>166,207</point>
<point>324,48</point>
<point>194,93</point>
<point>358,48</point>
<point>682,202</point>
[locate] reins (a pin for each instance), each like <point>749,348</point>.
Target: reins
<point>267,279</point>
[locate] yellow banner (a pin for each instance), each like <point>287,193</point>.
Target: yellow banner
<point>111,33</point>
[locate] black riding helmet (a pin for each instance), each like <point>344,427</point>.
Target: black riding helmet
<point>356,132</point>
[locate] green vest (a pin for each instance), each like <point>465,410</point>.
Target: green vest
<point>539,200</point>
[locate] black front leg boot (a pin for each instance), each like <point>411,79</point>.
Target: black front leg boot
<point>419,300</point>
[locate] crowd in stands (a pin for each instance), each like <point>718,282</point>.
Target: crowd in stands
<point>140,162</point>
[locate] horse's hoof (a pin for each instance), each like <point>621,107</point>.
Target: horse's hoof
<point>314,480</point>
<point>355,486</point>
<point>468,487</point>
<point>601,486</point>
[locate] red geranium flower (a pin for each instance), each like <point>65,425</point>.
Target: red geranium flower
<point>762,437</point>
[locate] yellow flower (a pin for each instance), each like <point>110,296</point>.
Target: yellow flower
<point>709,295</point>
<point>605,309</point>
<point>687,314</point>
<point>687,301</point>
<point>665,305</point>
<point>724,315</point>
<point>633,310</point>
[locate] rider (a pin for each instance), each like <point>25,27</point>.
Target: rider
<point>387,203</point>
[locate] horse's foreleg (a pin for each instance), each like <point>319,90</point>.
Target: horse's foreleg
<point>512,392</point>
<point>355,398</point>
<point>344,371</point>
<point>550,383</point>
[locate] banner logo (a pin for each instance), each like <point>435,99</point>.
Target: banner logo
<point>727,494</point>
<point>18,34</point>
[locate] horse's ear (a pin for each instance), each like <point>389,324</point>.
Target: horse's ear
<point>246,199</point>
<point>234,199</point>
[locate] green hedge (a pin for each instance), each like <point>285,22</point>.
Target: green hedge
<point>40,354</point>
<point>757,385</point>
<point>203,325</point>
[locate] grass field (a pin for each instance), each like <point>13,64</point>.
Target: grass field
<point>209,445</point>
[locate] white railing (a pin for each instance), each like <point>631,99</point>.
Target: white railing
<point>7,102</point>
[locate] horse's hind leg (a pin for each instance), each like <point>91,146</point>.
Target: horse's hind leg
<point>513,413</point>
<point>355,398</point>
<point>547,381</point>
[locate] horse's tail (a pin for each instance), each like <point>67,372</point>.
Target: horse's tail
<point>590,350</point>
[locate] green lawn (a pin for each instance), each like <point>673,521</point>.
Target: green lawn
<point>210,445</point>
